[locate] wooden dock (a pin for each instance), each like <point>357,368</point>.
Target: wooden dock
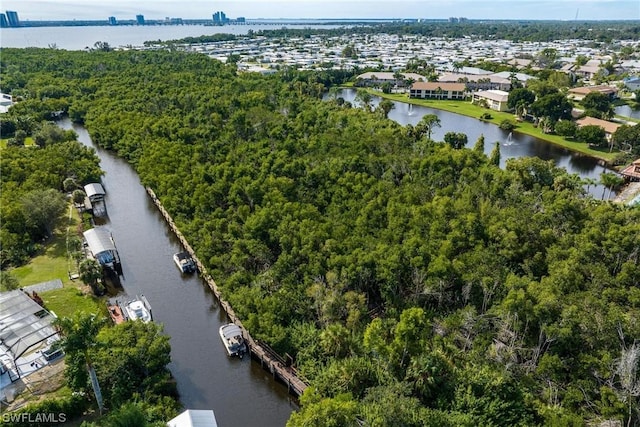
<point>269,360</point>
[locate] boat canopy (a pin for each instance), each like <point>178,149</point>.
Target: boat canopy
<point>94,191</point>
<point>231,330</point>
<point>101,245</point>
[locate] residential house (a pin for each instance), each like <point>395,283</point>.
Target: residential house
<point>578,93</point>
<point>475,82</point>
<point>630,65</point>
<point>474,71</point>
<point>521,77</point>
<point>521,63</point>
<point>588,72</point>
<point>437,90</point>
<point>632,83</point>
<point>632,172</point>
<point>495,99</point>
<point>377,78</point>
<point>6,101</point>
<point>609,127</point>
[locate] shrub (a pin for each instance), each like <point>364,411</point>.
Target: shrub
<point>566,128</point>
<point>507,125</point>
<point>68,408</point>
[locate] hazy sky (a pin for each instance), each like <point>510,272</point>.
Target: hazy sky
<point>487,9</point>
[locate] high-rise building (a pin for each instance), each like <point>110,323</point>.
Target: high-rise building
<point>3,21</point>
<point>140,19</point>
<point>219,18</point>
<point>13,19</point>
<point>113,20</point>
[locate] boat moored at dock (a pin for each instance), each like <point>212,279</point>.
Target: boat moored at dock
<point>231,335</point>
<point>135,309</point>
<point>184,262</point>
<point>138,309</point>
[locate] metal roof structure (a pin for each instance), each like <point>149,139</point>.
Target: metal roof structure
<point>23,323</point>
<point>101,245</point>
<point>194,418</point>
<point>94,191</point>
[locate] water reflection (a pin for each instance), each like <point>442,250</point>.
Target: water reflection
<point>519,145</point>
<point>239,392</point>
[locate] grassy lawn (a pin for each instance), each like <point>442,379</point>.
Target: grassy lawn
<point>28,142</point>
<point>465,108</point>
<point>69,300</point>
<point>52,264</point>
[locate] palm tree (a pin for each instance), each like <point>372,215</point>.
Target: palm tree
<point>90,274</point>
<point>521,109</point>
<point>410,81</point>
<point>610,181</point>
<point>79,337</point>
<point>385,107</point>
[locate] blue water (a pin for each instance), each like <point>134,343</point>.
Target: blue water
<point>79,38</point>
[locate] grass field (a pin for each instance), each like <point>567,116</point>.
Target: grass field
<point>52,264</point>
<point>465,108</point>
<point>28,142</point>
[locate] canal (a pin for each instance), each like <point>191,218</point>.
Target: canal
<point>240,392</point>
<point>518,145</point>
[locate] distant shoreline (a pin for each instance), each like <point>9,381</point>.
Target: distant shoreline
<point>25,23</point>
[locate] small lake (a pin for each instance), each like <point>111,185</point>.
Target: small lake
<point>514,146</point>
<point>627,111</point>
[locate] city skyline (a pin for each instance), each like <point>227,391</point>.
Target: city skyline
<point>38,10</point>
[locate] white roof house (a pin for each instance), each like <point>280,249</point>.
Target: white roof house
<point>519,76</point>
<point>6,101</point>
<point>194,418</point>
<point>496,99</point>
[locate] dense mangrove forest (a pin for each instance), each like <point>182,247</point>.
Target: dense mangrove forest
<point>413,282</point>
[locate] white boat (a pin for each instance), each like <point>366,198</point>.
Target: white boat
<point>184,262</point>
<point>231,335</point>
<point>138,309</point>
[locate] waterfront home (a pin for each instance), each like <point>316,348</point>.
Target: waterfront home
<point>477,81</point>
<point>632,172</point>
<point>28,340</point>
<point>609,127</point>
<point>494,99</point>
<point>437,90</point>
<point>578,93</point>
<point>377,78</point>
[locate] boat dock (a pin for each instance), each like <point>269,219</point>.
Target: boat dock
<point>281,369</point>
